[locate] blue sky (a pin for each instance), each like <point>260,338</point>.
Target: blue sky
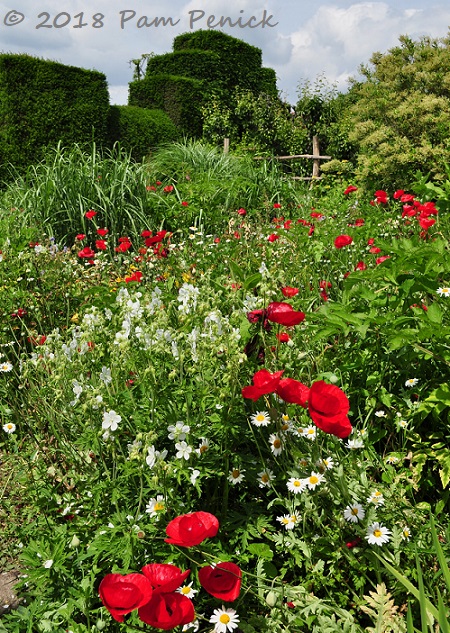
<point>310,39</point>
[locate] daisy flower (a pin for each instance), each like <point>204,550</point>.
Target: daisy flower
<point>402,424</point>
<point>203,446</point>
<point>406,533</point>
<point>355,444</point>
<point>310,432</point>
<point>9,427</point>
<point>276,445</point>
<point>155,506</point>
<point>314,480</point>
<point>354,513</point>
<point>236,476</point>
<point>296,485</point>
<point>380,414</point>
<point>5,366</point>
<point>376,498</point>
<point>392,459</point>
<point>186,590</point>
<point>325,464</point>
<point>286,425</point>
<point>377,534</point>
<point>443,292</point>
<point>411,382</point>
<point>265,477</point>
<point>289,520</point>
<point>261,418</point>
<point>224,620</point>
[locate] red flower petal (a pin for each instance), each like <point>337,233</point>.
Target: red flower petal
<point>223,581</point>
<point>191,529</point>
<point>293,391</point>
<point>122,594</point>
<point>328,407</point>
<point>164,577</point>
<point>166,611</point>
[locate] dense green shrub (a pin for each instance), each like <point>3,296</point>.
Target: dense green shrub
<point>140,130</point>
<point>177,96</point>
<point>202,65</point>
<point>43,102</point>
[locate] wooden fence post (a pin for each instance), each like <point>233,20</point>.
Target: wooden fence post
<point>226,145</point>
<point>316,161</point>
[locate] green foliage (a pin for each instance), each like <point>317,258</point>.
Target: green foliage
<point>401,114</point>
<point>43,103</point>
<point>139,130</point>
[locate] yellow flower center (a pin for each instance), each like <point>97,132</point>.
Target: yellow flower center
<point>260,417</point>
<point>285,427</point>
<point>311,432</point>
<point>235,474</point>
<point>158,506</point>
<point>355,511</point>
<point>293,518</point>
<point>313,480</point>
<point>264,478</point>
<point>277,443</point>
<point>203,448</point>
<point>224,618</point>
<point>185,590</point>
<point>377,533</point>
<point>297,483</point>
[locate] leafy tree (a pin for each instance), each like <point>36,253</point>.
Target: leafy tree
<point>401,114</point>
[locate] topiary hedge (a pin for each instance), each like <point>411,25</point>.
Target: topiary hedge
<point>140,130</point>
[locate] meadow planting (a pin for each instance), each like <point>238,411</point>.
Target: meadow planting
<point>224,399</point>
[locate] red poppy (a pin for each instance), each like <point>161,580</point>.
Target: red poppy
<point>273,237</point>
<point>381,197</point>
<point>86,253</point>
<point>123,247</point>
<point>191,529</point>
<point>80,236</point>
<point>160,235</point>
<point>136,276</point>
<point>168,189</point>
<point>370,241</point>
<point>289,291</point>
<point>150,188</point>
<point>123,594</point>
<point>350,189</point>
<point>102,232</point>
<point>90,214</point>
<point>375,250</point>
<point>223,581</point>
<point>277,205</point>
<point>293,391</point>
<point>325,284</point>
<point>164,577</point>
<point>324,295</point>
<point>167,611</point>
<point>146,233</point>
<point>316,214</point>
<point>100,245</point>
<point>398,194</point>
<point>382,259</point>
<point>242,212</point>
<point>407,197</point>
<point>284,314</point>
<point>328,407</point>
<point>360,266</point>
<point>425,222</point>
<point>342,240</point>
<point>255,315</point>
<point>283,337</point>
<point>287,225</point>
<point>184,203</point>
<point>263,383</point>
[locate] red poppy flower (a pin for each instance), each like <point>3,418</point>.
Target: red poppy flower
<point>277,205</point>
<point>167,611</point>
<point>136,276</point>
<point>122,594</point>
<point>426,223</point>
<point>407,197</point>
<point>360,266</point>
<point>409,211</point>
<point>150,188</point>
<point>370,241</point>
<point>284,314</point>
<point>191,529</point>
<point>100,245</point>
<point>382,259</point>
<point>168,189</point>
<point>289,291</point>
<point>160,235</point>
<point>398,194</point>
<point>325,284</point>
<point>164,577</point>
<point>342,240</point>
<point>316,214</point>
<point>90,214</point>
<point>293,391</point>
<point>375,250</point>
<point>283,337</point>
<point>255,315</point>
<point>184,203</point>
<point>311,230</point>
<point>242,212</point>
<point>102,232</point>
<point>328,407</point>
<point>324,295</point>
<point>350,189</point>
<point>80,236</point>
<point>146,233</point>
<point>287,225</point>
<point>123,246</point>
<point>273,237</point>
<point>86,253</point>
<point>223,581</point>
<point>263,383</point>
<point>381,197</point>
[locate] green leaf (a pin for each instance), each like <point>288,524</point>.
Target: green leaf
<point>236,270</point>
<point>252,281</point>
<point>434,313</point>
<point>261,549</point>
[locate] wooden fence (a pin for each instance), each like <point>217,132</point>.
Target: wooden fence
<point>315,157</point>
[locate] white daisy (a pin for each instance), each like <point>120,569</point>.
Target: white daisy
<point>402,424</point>
<point>186,590</point>
<point>155,506</point>
<point>325,464</point>
<point>276,445</point>
<point>443,292</point>
<point>236,476</point>
<point>9,427</point>
<point>376,498</point>
<point>289,520</point>
<point>310,432</point>
<point>355,444</point>
<point>354,513</point>
<point>314,480</point>
<point>411,382</point>
<point>392,459</point>
<point>111,420</point>
<point>377,534</point>
<point>224,620</point>
<point>296,485</point>
<point>265,477</point>
<point>261,418</point>
<point>203,446</point>
<point>406,533</point>
<point>5,366</point>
